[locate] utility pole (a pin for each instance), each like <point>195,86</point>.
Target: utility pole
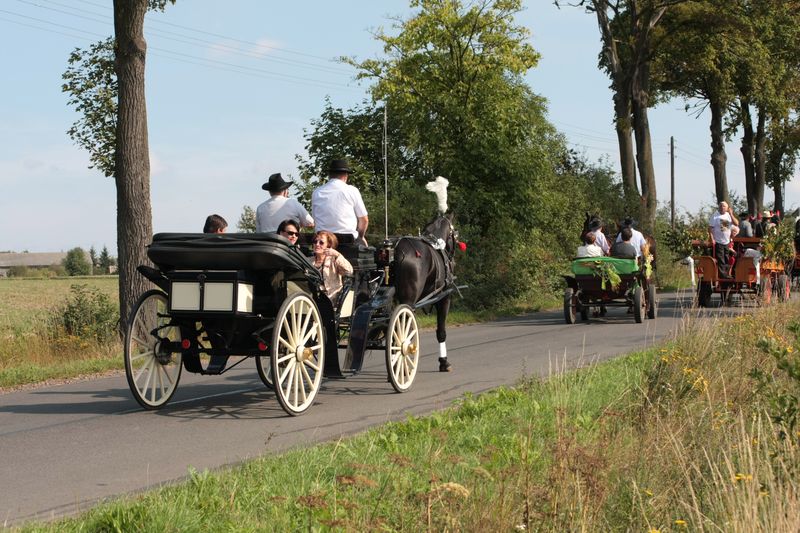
<point>672,179</point>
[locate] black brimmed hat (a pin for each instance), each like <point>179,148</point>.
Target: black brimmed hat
<point>595,224</point>
<point>276,183</point>
<point>628,222</point>
<point>340,166</point>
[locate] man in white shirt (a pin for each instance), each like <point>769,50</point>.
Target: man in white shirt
<point>279,207</point>
<point>637,239</point>
<point>720,229</point>
<point>596,227</point>
<point>337,207</point>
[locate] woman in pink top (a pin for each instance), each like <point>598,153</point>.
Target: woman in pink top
<point>330,262</point>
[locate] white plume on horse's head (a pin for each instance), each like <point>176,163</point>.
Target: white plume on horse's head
<point>439,187</point>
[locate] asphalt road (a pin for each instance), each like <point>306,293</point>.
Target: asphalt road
<point>64,448</point>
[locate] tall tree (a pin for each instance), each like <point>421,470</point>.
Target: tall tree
<point>110,95</point>
<point>132,158</point>
<point>627,30</point>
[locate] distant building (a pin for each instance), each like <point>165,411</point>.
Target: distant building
<point>30,260</point>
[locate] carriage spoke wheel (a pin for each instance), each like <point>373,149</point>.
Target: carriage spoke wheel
<point>264,369</point>
<point>402,348</point>
<point>152,368</point>
<point>570,306</point>
<point>639,304</point>
<point>297,353</point>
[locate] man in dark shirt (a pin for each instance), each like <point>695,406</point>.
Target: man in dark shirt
<point>624,249</point>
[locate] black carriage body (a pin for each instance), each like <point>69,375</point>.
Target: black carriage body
<point>233,284</point>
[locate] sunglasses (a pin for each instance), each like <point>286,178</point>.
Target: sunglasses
<point>320,242</point>
<point>292,233</point>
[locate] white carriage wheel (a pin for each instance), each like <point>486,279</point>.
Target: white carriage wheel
<point>264,369</point>
<point>152,370</point>
<point>297,353</point>
<point>402,348</point>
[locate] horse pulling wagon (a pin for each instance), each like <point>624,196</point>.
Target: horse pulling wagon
<point>600,282</point>
<point>256,295</point>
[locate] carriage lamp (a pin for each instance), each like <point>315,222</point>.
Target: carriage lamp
<point>262,346</point>
<point>186,344</point>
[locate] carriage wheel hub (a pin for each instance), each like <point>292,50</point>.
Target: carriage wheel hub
<point>409,348</point>
<point>302,353</point>
<point>163,356</point>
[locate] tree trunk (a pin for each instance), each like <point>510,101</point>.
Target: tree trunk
<point>718,156</point>
<point>640,95</point>
<point>644,161</point>
<point>622,108</point>
<point>132,160</point>
<point>747,155</point>
<point>760,159</point>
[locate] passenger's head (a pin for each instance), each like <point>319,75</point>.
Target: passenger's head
<point>590,238</point>
<point>324,240</point>
<point>289,229</point>
<point>723,207</point>
<point>215,224</point>
<point>340,169</point>
<point>626,233</point>
<point>744,215</point>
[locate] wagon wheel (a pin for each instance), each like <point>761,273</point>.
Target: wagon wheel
<point>152,369</point>
<point>264,369</point>
<point>651,301</point>
<point>784,288</point>
<point>402,348</point>
<point>765,290</point>
<point>584,309</point>
<point>638,304</point>
<point>297,353</point>
<point>570,306</point>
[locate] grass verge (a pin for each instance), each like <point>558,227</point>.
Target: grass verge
<point>677,438</point>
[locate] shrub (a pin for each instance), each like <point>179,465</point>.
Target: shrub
<point>77,263</point>
<point>87,314</point>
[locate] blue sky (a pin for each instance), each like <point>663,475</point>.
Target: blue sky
<point>231,87</point>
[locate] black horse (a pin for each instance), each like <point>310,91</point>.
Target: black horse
<point>423,274</point>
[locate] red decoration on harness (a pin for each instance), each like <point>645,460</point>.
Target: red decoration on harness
<point>417,253</point>
<point>462,246</point>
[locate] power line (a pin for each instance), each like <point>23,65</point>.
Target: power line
<point>185,39</point>
<point>185,58</point>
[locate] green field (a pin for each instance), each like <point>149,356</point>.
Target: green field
<point>25,301</point>
<point>30,352</point>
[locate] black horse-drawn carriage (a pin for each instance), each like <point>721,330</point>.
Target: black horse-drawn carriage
<point>256,295</point>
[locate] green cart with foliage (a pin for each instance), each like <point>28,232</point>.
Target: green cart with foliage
<point>600,282</point>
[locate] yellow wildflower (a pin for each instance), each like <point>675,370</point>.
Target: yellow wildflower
<point>680,523</point>
<point>743,477</point>
<point>653,530</point>
<point>648,492</point>
<point>789,349</point>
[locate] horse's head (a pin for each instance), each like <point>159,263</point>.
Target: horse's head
<point>442,228</point>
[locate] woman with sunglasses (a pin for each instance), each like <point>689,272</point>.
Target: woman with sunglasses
<point>331,263</point>
<point>289,229</point>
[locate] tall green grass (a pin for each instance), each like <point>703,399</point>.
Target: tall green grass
<point>677,438</point>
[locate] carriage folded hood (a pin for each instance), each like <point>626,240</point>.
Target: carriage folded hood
<point>227,251</point>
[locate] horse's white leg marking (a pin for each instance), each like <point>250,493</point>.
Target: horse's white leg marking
<point>442,350</point>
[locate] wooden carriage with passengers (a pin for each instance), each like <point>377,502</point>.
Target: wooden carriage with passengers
<point>229,297</point>
<point>600,282</point>
<point>750,278</point>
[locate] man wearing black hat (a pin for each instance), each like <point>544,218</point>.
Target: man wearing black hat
<point>637,238</point>
<point>279,207</point>
<point>338,207</point>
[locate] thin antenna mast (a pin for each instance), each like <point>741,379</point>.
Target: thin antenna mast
<point>385,174</point>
